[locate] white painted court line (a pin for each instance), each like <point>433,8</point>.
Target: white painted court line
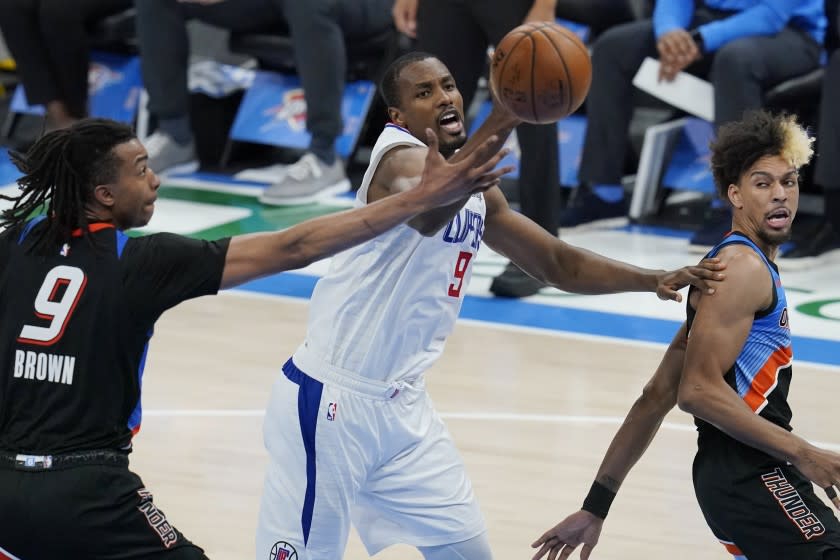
<point>479,416</point>
<point>517,328</point>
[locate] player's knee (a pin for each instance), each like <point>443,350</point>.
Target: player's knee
<point>476,548</point>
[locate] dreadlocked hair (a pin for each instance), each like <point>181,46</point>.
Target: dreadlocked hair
<point>60,172</point>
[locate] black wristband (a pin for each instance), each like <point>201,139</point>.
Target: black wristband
<point>697,37</point>
<point>599,500</point>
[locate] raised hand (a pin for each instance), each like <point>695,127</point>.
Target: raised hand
<point>405,17</point>
<point>677,50</point>
<point>446,183</point>
<point>579,528</point>
<point>701,276</point>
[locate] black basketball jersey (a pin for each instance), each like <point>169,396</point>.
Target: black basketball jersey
<point>76,326</point>
<point>761,374</point>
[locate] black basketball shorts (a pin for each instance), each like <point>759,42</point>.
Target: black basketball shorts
<point>98,510</point>
<point>760,508</point>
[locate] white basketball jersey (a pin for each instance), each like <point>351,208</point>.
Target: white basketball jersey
<point>385,308</point>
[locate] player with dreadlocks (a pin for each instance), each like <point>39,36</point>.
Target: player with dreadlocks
<point>77,318</point>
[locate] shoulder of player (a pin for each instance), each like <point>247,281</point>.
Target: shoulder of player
<point>746,277</point>
<point>156,243</point>
<point>399,163</point>
<point>741,258</point>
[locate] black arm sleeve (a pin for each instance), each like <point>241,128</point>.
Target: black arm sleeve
<point>162,270</point>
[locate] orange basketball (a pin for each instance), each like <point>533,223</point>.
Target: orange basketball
<point>541,72</point>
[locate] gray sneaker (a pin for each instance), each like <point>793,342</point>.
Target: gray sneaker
<point>306,181</point>
<point>167,156</point>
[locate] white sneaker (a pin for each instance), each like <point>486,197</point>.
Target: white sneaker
<point>270,174</point>
<point>167,156</point>
<point>307,181</point>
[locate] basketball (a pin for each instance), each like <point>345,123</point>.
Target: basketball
<point>541,72</point>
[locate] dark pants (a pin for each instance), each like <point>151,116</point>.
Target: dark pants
<point>740,72</point>
<point>48,41</point>
<point>95,511</point>
<point>827,170</point>
<point>318,28</point>
<point>767,508</point>
<point>458,32</point>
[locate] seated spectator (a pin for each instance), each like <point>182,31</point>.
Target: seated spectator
<point>743,47</point>
<point>827,171</point>
<point>318,29</point>
<point>48,40</point>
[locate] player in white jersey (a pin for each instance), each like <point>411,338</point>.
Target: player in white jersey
<point>351,432</point>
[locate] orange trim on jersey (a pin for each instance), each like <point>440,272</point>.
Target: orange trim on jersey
<point>732,549</point>
<point>7,555</point>
<point>767,377</point>
<point>93,228</point>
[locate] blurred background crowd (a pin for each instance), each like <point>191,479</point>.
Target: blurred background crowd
<point>196,61</point>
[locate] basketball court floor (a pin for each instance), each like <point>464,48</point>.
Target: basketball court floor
<point>532,390</point>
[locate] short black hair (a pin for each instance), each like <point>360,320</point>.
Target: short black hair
<point>389,86</point>
<point>739,144</point>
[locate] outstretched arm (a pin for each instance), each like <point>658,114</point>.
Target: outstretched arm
<point>577,270</point>
<point>627,447</point>
<point>261,254</point>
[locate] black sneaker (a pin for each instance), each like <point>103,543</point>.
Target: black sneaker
<point>824,241</point>
<point>514,283</point>
<point>587,207</point>
<point>716,224</point>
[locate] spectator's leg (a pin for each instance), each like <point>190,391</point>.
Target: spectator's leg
<point>599,15</point>
<point>62,30</point>
<point>616,58</point>
<point>321,60</point>
<point>539,181</point>
<point>449,30</point>
<point>744,69</point>
<point>164,50</point>
<point>19,24</point>
<point>827,171</point>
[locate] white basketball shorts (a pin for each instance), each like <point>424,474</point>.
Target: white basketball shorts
<point>348,449</point>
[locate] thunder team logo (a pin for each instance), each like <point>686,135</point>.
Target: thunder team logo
<point>291,112</point>
<point>100,77</point>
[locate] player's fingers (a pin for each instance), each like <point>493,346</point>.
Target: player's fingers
<point>708,273</point>
<point>544,549</point>
<point>486,151</point>
<point>695,276</point>
<point>566,552</point>
<point>497,173</point>
<point>712,263</point>
<point>665,293</point>
<point>586,551</point>
<point>831,492</point>
<point>491,163</point>
<point>431,140</point>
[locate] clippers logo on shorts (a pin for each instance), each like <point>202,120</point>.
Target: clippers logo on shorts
<point>156,518</point>
<point>282,551</point>
<point>331,409</point>
<point>792,504</point>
